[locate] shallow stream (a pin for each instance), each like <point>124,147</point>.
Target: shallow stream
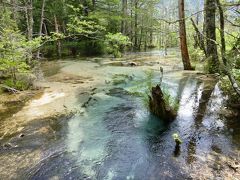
<point>115,137</point>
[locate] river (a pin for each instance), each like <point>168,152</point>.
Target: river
<point>110,133</point>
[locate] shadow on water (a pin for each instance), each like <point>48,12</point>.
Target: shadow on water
<point>132,147</point>
<point>117,138</point>
<point>201,108</point>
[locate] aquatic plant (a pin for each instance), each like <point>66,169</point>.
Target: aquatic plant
<point>177,138</point>
<point>121,79</point>
<point>143,89</point>
<point>170,100</point>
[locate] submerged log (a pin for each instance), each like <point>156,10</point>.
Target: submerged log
<point>159,107</point>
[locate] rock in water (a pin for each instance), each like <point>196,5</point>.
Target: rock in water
<point>159,107</point>
<point>132,64</point>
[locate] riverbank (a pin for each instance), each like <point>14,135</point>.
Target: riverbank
<point>31,119</point>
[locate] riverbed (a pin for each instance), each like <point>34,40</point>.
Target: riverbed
<point>90,121</point>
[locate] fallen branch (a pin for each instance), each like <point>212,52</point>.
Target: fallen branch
<point>9,89</point>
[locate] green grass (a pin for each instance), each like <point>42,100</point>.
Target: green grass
<point>19,85</point>
<point>121,79</point>
<point>143,89</point>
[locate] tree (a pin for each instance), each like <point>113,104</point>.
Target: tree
<point>116,43</point>
<point>222,31</point>
<point>223,49</point>
<point>41,23</point>
<point>124,17</point>
<point>136,24</point>
<point>199,38</point>
<point>29,18</point>
<point>183,38</point>
<point>15,49</point>
<point>210,31</point>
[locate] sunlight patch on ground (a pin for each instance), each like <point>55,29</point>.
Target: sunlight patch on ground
<point>38,107</point>
<point>46,98</point>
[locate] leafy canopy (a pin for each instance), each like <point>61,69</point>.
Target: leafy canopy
<point>15,50</point>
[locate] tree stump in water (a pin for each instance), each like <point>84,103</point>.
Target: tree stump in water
<point>159,107</point>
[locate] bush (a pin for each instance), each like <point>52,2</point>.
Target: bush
<point>146,86</point>
<point>116,44</point>
<point>196,54</point>
<point>19,85</point>
<point>227,88</point>
<point>74,48</point>
<point>91,48</point>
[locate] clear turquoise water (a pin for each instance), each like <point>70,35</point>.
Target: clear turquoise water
<point>117,138</point>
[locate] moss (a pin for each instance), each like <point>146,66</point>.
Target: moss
<point>121,79</point>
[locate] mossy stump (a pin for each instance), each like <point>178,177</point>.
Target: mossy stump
<point>159,107</point>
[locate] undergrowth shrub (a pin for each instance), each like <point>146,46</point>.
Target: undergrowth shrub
<point>227,88</point>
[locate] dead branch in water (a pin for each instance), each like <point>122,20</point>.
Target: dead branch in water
<point>9,89</point>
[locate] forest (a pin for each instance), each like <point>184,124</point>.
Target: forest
<point>120,89</point>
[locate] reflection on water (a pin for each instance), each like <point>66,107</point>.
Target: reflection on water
<point>117,138</point>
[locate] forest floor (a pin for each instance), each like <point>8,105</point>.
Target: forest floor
<point>30,120</point>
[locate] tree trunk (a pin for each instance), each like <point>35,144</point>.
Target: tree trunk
<point>124,16</point>
<point>200,38</point>
<point>223,50</point>
<point>29,23</point>
<point>141,36</point>
<point>151,38</point>
<point>14,9</point>
<point>210,27</point>
<point>41,24</point>
<point>136,24</point>
<point>58,41</point>
<point>183,38</point>
<point>165,45</point>
<point>45,29</point>
<point>145,42</point>
<point>29,18</point>
<point>131,28</point>
<point>222,35</point>
<point>159,107</point>
<point>93,4</point>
